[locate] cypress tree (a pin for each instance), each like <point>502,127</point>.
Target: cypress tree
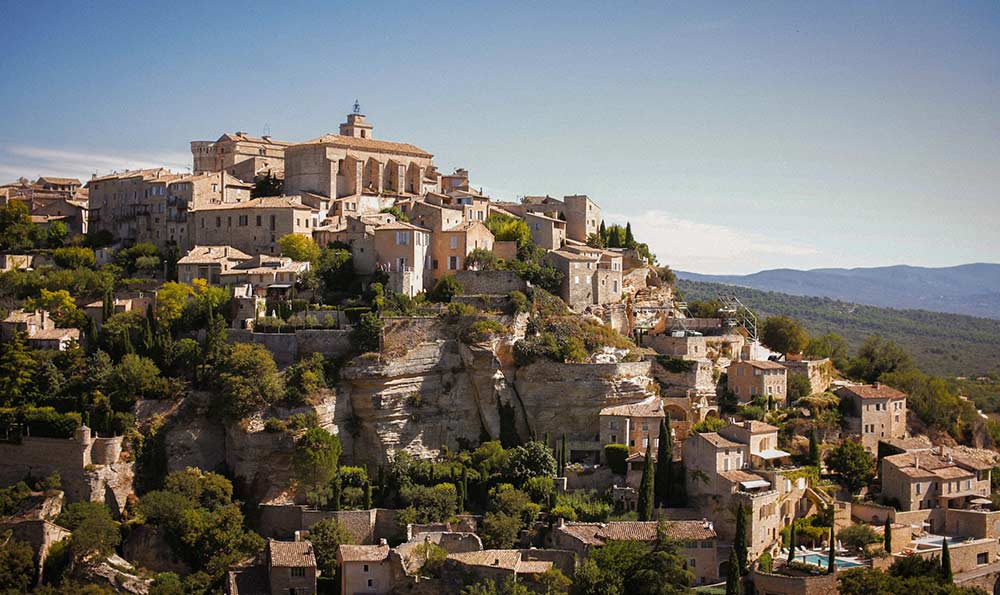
<point>679,483</point>
<point>645,504</point>
<point>335,493</point>
<point>887,538</point>
<point>368,495</point>
<point>733,575</point>
<point>381,483</point>
<point>563,457</point>
<point>740,540</point>
<point>946,572</point>
<point>814,448</point>
<point>629,238</point>
<point>461,498</point>
<point>664,465</point>
<point>603,232</point>
<point>90,335</point>
<point>831,563</point>
<point>107,305</point>
<point>791,543</point>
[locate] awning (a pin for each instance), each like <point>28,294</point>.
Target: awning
<point>279,286</point>
<point>981,501</point>
<point>755,483</point>
<point>772,453</point>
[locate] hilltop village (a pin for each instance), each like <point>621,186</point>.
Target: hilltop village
<point>328,367</point>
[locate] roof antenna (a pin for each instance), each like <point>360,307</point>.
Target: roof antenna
<point>357,107</point>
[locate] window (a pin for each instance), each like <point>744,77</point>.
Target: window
<point>218,221</point>
<point>453,263</point>
<point>366,569</point>
<point>258,220</point>
<point>691,563</point>
<point>982,558</point>
<point>454,242</point>
<point>402,238</point>
<point>576,279</point>
<point>919,489</point>
<point>298,571</point>
<point>614,438</point>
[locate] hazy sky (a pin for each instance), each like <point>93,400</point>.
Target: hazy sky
<point>734,136</point>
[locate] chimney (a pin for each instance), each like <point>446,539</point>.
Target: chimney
<point>383,542</point>
<point>747,424</point>
<point>875,385</point>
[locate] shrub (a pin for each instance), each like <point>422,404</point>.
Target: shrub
<point>482,331</point>
<point>73,257</point>
<point>616,454</point>
<point>367,335</point>
<point>460,309</point>
<point>858,535</point>
<point>709,424</point>
<point>445,289</point>
<point>518,302</point>
<point>274,425</point>
<point>562,511</point>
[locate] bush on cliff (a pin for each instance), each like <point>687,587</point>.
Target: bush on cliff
<point>616,455</point>
<point>482,331</point>
<point>249,380</point>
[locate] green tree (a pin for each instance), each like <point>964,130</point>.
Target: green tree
<point>858,535</point>
<point>56,234</point>
<point>267,185</point>
<point>798,387</point>
<point>315,462</point>
<point>446,288</point>
<point>784,334</point>
<point>878,356</point>
<point>663,489</point>
<point>326,536</point>
<point>791,543</point>
<point>17,564</point>
<point>854,465</point>
<point>17,368</point>
<point>629,238</point>
<point>249,380</point>
<point>299,247</point>
<point>887,535</point>
<point>645,504</point>
<point>946,572</point>
<point>509,229</point>
<point>563,452</point>
<point>94,533</point>
<point>133,378</point>
<point>740,540</point>
<point>831,562</point>
<point>367,334</point>
<point>74,257</point>
<point>814,457</point>
<point>166,583</point>
<point>171,301</point>
<point>529,460</point>
<point>830,345</point>
<point>733,575</point>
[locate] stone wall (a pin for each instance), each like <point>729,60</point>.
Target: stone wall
<point>588,478</point>
<point>776,584</point>
<point>490,282</point>
<point>287,347</point>
<point>818,372</point>
<point>281,521</point>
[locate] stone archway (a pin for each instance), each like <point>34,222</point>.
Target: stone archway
<point>724,570</point>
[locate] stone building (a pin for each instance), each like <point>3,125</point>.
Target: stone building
<point>749,379</point>
<point>286,568</point>
<point>698,540</point>
<point>931,479</point>
<point>547,232</point>
<point>131,205</point>
<point>190,193</point>
<point>876,411</point>
<point>581,215</point>
<point>239,154</point>
<point>633,424</point>
<point>253,226</point>
<point>368,568</point>
<point>209,263</point>
<point>40,331</point>
<point>401,251</point>
<point>454,235</point>
<point>354,163</point>
<point>590,276</point>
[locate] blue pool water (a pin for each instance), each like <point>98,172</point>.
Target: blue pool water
<point>819,560</point>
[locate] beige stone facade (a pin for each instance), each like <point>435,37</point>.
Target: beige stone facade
<point>941,478</point>
<point>354,163</point>
<point>401,251</point>
<point>877,412</point>
<point>190,193</point>
<point>590,276</point>
<point>39,330</point>
<point>367,568</point>
<point>239,155</point>
<point>632,424</point>
<point>209,263</point>
<point>547,232</point>
<point>253,226</point>
<point>750,379</point>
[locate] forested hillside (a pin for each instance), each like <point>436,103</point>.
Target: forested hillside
<point>944,344</point>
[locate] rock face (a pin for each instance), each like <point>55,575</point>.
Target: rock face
<point>438,391</point>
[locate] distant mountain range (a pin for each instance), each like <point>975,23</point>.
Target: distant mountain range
<point>971,289</point>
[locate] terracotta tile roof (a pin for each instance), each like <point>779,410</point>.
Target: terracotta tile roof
<point>157,172</point>
<point>401,225</point>
<point>628,531</point>
<point>649,407</point>
<point>756,427</point>
<point>368,144</point>
<point>691,530</point>
<point>718,441</point>
<point>61,181</point>
<point>53,334</point>
<point>571,256</point>
<point>233,136</point>
<point>291,554</point>
<point>506,559</point>
<point>597,534</point>
<point>212,255</point>
<point>953,473</point>
<point>543,217</point>
<point>584,532</point>
<point>364,553</point>
<point>873,391</point>
<point>263,202</point>
<point>22,315</point>
<point>974,458</point>
<point>533,566</point>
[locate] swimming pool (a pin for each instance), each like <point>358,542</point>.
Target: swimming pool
<point>820,560</point>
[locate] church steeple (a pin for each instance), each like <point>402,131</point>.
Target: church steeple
<point>356,125</point>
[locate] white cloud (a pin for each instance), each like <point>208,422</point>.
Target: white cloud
<point>16,161</point>
<point>711,248</point>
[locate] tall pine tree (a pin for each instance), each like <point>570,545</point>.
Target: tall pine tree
<point>629,238</point>
<point>887,538</point>
<point>645,504</point>
<point>17,368</point>
<point>791,543</point>
<point>562,457</point>
<point>740,539</point>
<point>664,466</point>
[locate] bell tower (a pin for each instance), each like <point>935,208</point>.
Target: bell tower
<point>356,125</point>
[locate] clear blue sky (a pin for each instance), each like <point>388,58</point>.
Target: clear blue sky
<point>734,136</point>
